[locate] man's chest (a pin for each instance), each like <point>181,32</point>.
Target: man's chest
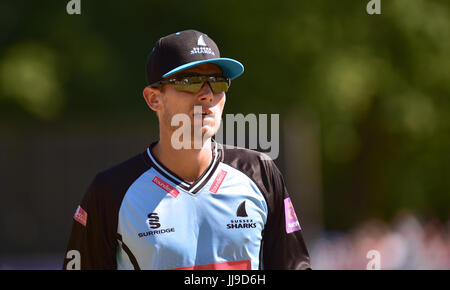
<point>172,228</point>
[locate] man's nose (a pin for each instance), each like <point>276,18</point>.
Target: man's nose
<point>206,94</point>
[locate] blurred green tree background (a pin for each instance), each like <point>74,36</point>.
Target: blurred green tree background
<point>379,84</point>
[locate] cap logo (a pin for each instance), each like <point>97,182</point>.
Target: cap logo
<point>202,47</point>
<point>201,41</point>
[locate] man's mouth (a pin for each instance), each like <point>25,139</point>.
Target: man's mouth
<point>204,113</point>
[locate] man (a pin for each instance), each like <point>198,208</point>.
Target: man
<point>188,202</point>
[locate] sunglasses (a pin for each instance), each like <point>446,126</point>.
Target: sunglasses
<point>194,83</point>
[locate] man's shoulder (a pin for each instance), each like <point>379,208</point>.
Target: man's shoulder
<point>243,154</point>
<point>128,166</point>
<point>120,176</point>
<point>251,162</point>
<point>257,166</point>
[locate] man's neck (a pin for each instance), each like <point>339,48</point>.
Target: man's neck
<point>188,164</point>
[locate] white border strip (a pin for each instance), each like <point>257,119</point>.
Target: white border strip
<point>162,169</point>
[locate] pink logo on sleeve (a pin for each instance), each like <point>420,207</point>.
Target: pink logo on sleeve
<point>80,216</point>
<point>292,223</point>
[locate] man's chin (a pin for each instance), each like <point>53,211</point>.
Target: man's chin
<point>208,132</point>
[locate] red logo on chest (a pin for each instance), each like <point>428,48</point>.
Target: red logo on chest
<point>167,187</point>
<point>218,181</point>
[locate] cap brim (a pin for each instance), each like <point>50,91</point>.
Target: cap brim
<point>230,67</point>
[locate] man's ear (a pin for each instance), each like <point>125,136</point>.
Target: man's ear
<point>152,97</point>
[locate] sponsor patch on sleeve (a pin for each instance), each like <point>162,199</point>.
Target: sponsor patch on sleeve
<point>292,223</point>
<point>80,216</point>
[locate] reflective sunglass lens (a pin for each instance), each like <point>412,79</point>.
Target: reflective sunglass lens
<point>218,87</point>
<point>195,83</point>
<point>190,88</point>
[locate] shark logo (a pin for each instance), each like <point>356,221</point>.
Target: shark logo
<point>241,212</point>
<point>202,47</point>
<point>201,41</point>
<point>238,223</point>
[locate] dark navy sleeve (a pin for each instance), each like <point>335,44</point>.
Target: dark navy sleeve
<point>283,244</point>
<point>92,239</point>
<point>94,231</point>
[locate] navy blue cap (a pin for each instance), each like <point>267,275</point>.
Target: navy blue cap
<point>185,49</point>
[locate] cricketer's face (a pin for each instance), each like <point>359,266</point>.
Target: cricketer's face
<point>203,109</point>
